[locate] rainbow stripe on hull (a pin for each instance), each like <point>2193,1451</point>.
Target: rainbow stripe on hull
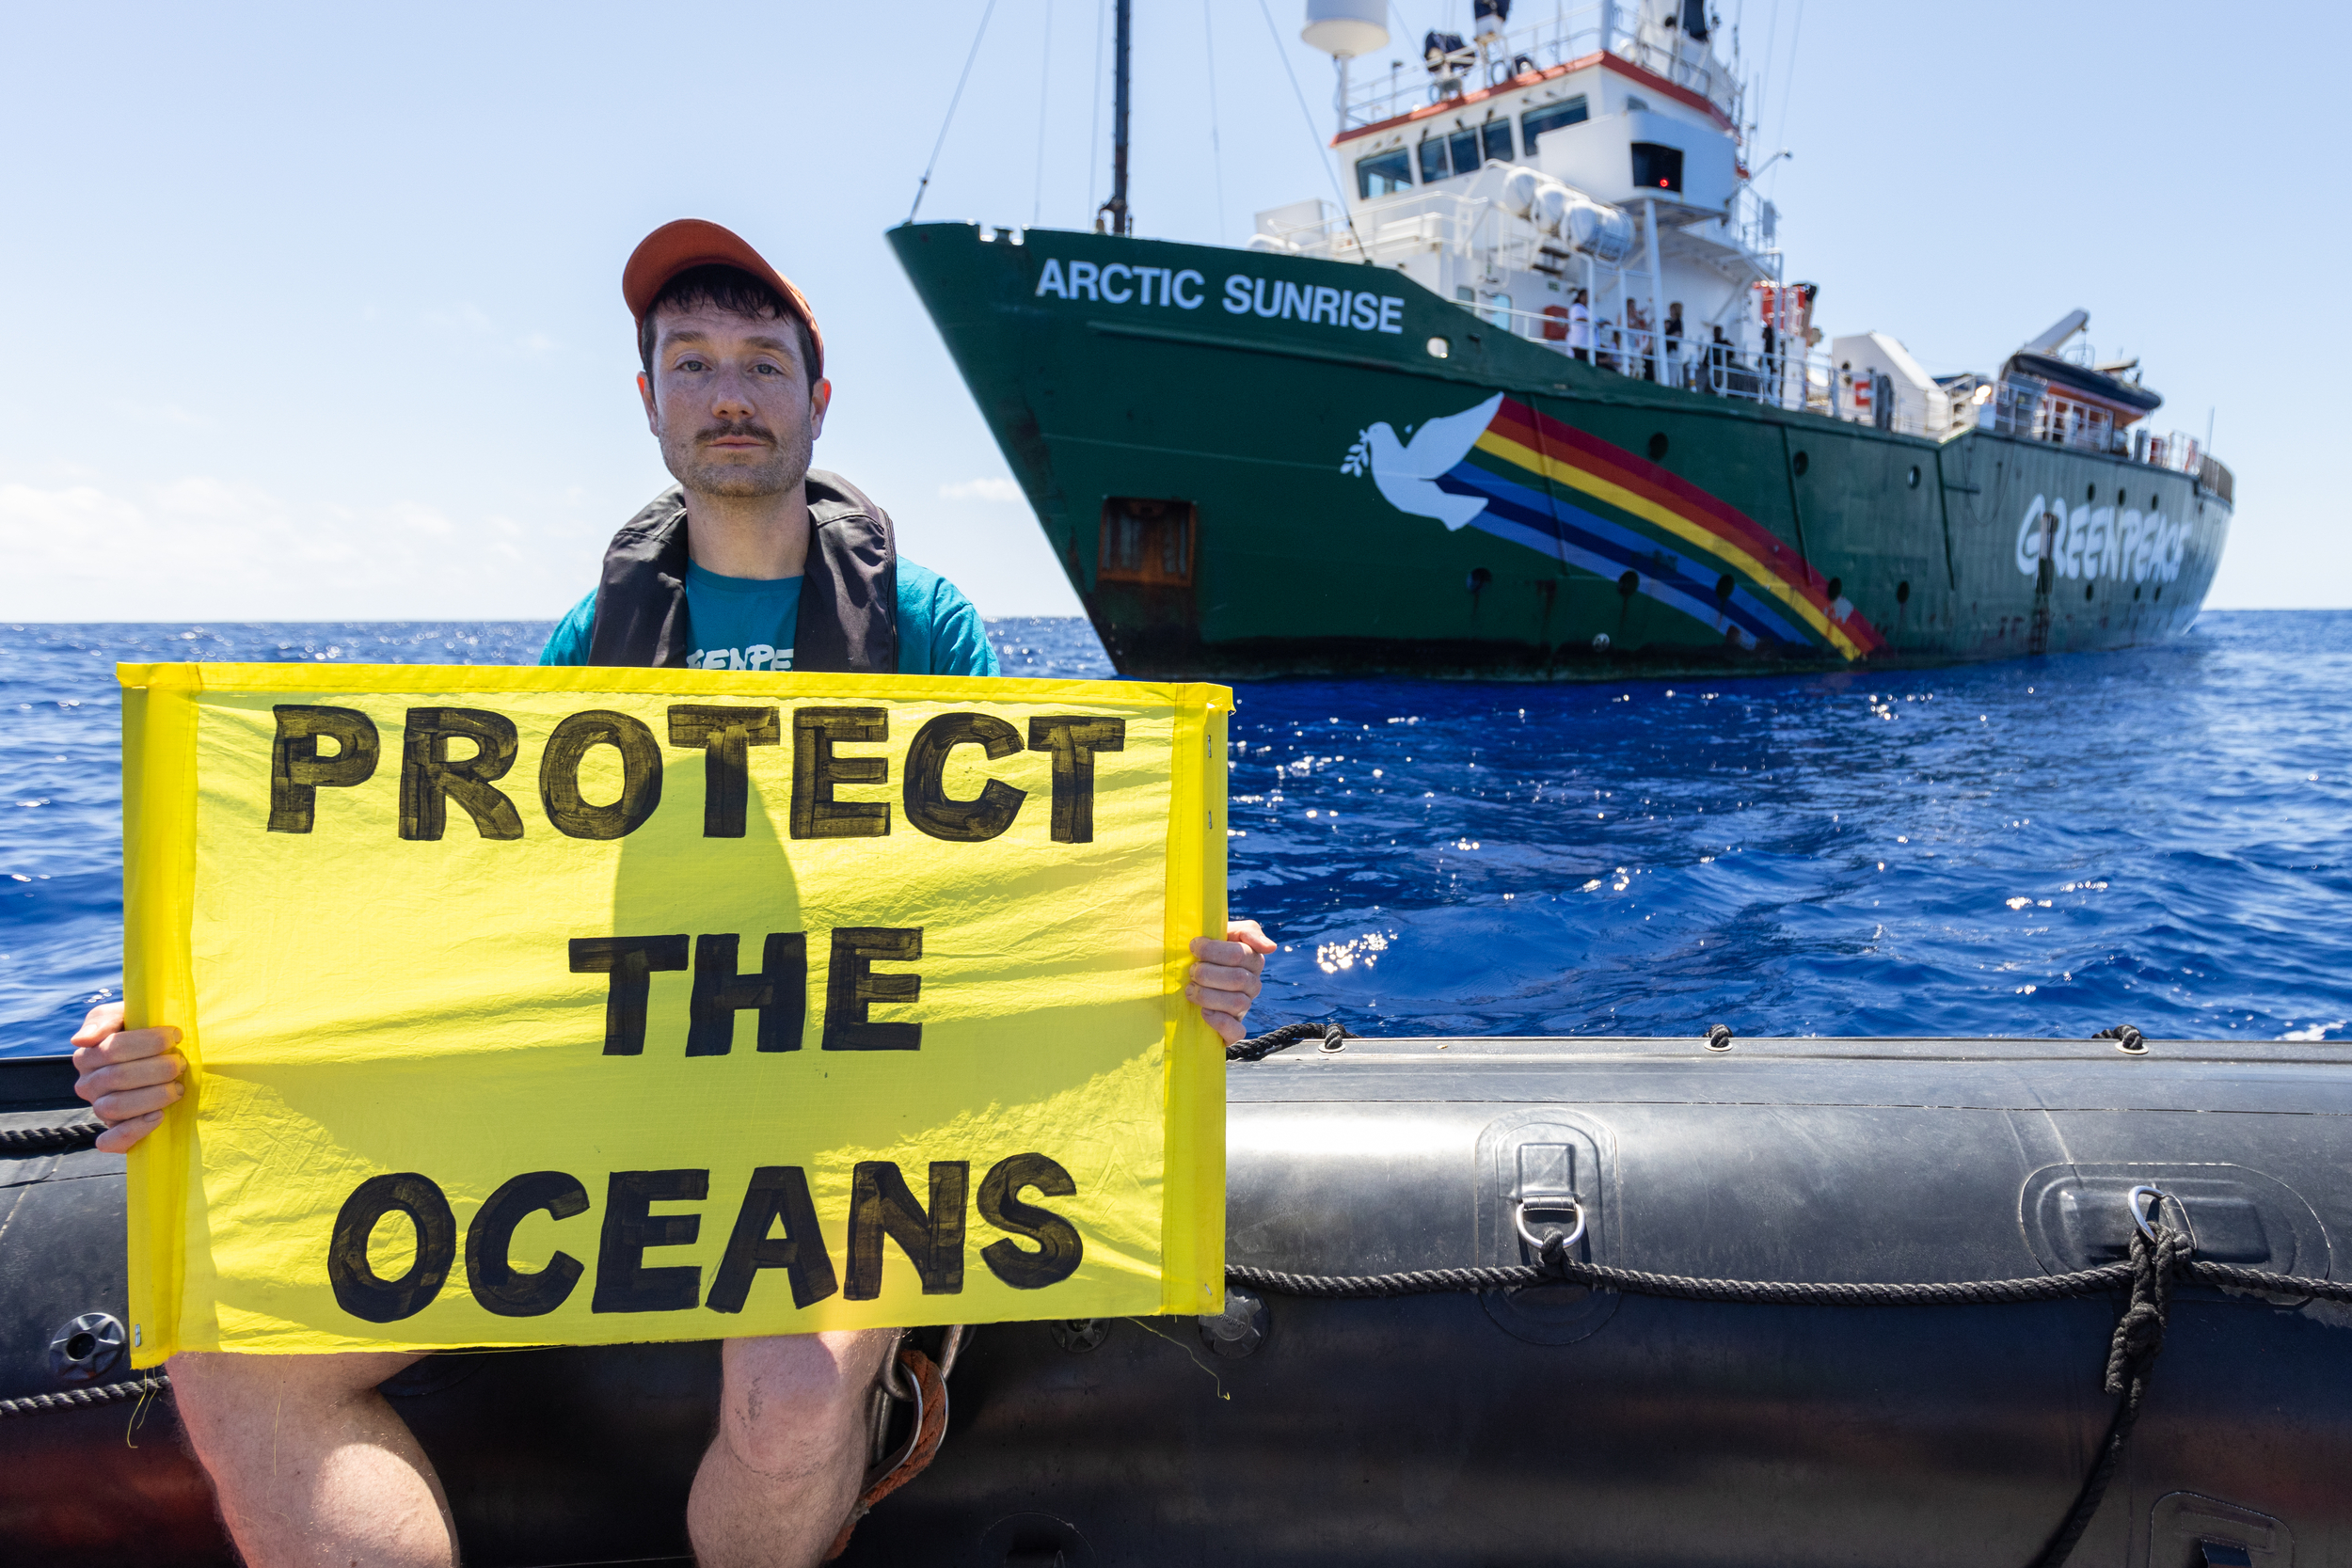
<point>1598,507</point>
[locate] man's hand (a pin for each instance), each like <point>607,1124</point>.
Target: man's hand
<point>131,1077</point>
<point>1225,981</point>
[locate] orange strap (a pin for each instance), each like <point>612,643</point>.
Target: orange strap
<point>920,1453</point>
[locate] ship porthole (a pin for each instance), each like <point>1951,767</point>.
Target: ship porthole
<point>1799,463</point>
<point>1440,348</point>
<point>1723,586</point>
<point>2134,595</point>
<point>1836,588</point>
<point>1903,590</point>
<point>1630,583</point>
<point>1657,446</point>
<point>2093,494</point>
<point>1478,578</point>
<point>1915,476</point>
<point>2088,587</point>
<point>2152,502</point>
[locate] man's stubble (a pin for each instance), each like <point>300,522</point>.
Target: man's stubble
<point>784,468</point>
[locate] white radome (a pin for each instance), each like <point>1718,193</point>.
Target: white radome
<point>1346,28</point>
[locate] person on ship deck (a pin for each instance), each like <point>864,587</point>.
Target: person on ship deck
<point>1638,341</point>
<point>753,562</point>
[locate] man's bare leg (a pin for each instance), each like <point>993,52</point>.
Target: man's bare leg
<point>781,1477</point>
<point>312,1467</point>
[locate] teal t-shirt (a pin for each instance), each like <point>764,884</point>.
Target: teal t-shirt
<point>748,624</point>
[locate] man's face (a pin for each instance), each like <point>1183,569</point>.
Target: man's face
<point>729,400</point>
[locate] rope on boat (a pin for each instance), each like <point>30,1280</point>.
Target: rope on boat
<point>1287,1036</point>
<point>77,1130</point>
<point>76,1399</point>
<point>2160,1258</point>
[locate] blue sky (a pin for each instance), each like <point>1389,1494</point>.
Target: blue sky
<point>318,310</point>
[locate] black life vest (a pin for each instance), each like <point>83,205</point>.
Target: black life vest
<point>848,589</point>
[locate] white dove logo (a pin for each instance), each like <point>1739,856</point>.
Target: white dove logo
<point>1407,474</point>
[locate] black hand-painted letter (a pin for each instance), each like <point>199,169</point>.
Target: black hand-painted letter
<point>1073,740</point>
<point>623,1284</point>
<point>358,1289</point>
<point>929,806</point>
<point>776,1193</point>
<point>727,735</point>
<point>296,771</point>
<point>492,1277</point>
<point>429,780</point>
<point>779,992</point>
<point>630,962</point>
<point>815,771</point>
<point>1058,1247</point>
<point>851,987</point>
<point>641,775</point>
<point>881,1205</point>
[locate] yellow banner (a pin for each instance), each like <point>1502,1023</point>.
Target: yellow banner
<point>587,1006</point>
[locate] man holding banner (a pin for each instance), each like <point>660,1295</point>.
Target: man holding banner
<point>366,1051</point>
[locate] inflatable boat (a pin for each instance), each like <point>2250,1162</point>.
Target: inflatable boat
<point>1519,1415</point>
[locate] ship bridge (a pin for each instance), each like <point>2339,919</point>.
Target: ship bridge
<point>1582,183</point>
<point>1578,182</point>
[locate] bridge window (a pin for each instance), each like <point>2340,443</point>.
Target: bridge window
<point>1551,117</point>
<point>1384,174</point>
<point>1443,157</point>
<point>1657,168</point>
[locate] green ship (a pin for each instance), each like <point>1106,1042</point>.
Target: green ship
<point>1538,403</point>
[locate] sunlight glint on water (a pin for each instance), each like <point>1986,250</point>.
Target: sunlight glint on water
<point>2161,837</point>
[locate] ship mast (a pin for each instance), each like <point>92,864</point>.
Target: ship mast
<point>1121,221</point>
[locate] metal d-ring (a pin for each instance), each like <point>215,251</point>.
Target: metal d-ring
<point>915,1432</point>
<point>911,1391</point>
<point>2131,1201</point>
<point>1518,1218</point>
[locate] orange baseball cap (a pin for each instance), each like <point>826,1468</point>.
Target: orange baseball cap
<point>676,247</point>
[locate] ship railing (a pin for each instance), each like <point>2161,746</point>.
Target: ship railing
<point>1792,381</point>
<point>2184,454</point>
<point>1755,224</point>
<point>1436,221</point>
<point>1474,226</point>
<point>1810,382</point>
<point>2023,407</point>
<point>1575,32</point>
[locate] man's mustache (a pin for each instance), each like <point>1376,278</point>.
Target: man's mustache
<point>749,427</point>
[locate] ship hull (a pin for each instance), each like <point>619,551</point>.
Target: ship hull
<point>1239,493</point>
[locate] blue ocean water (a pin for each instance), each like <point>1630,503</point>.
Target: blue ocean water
<point>2161,837</point>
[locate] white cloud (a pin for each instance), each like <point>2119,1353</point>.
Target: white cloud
<point>202,548</point>
<point>982,490</point>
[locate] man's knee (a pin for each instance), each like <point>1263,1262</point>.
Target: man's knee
<point>796,1404</point>
<point>221,1394</point>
